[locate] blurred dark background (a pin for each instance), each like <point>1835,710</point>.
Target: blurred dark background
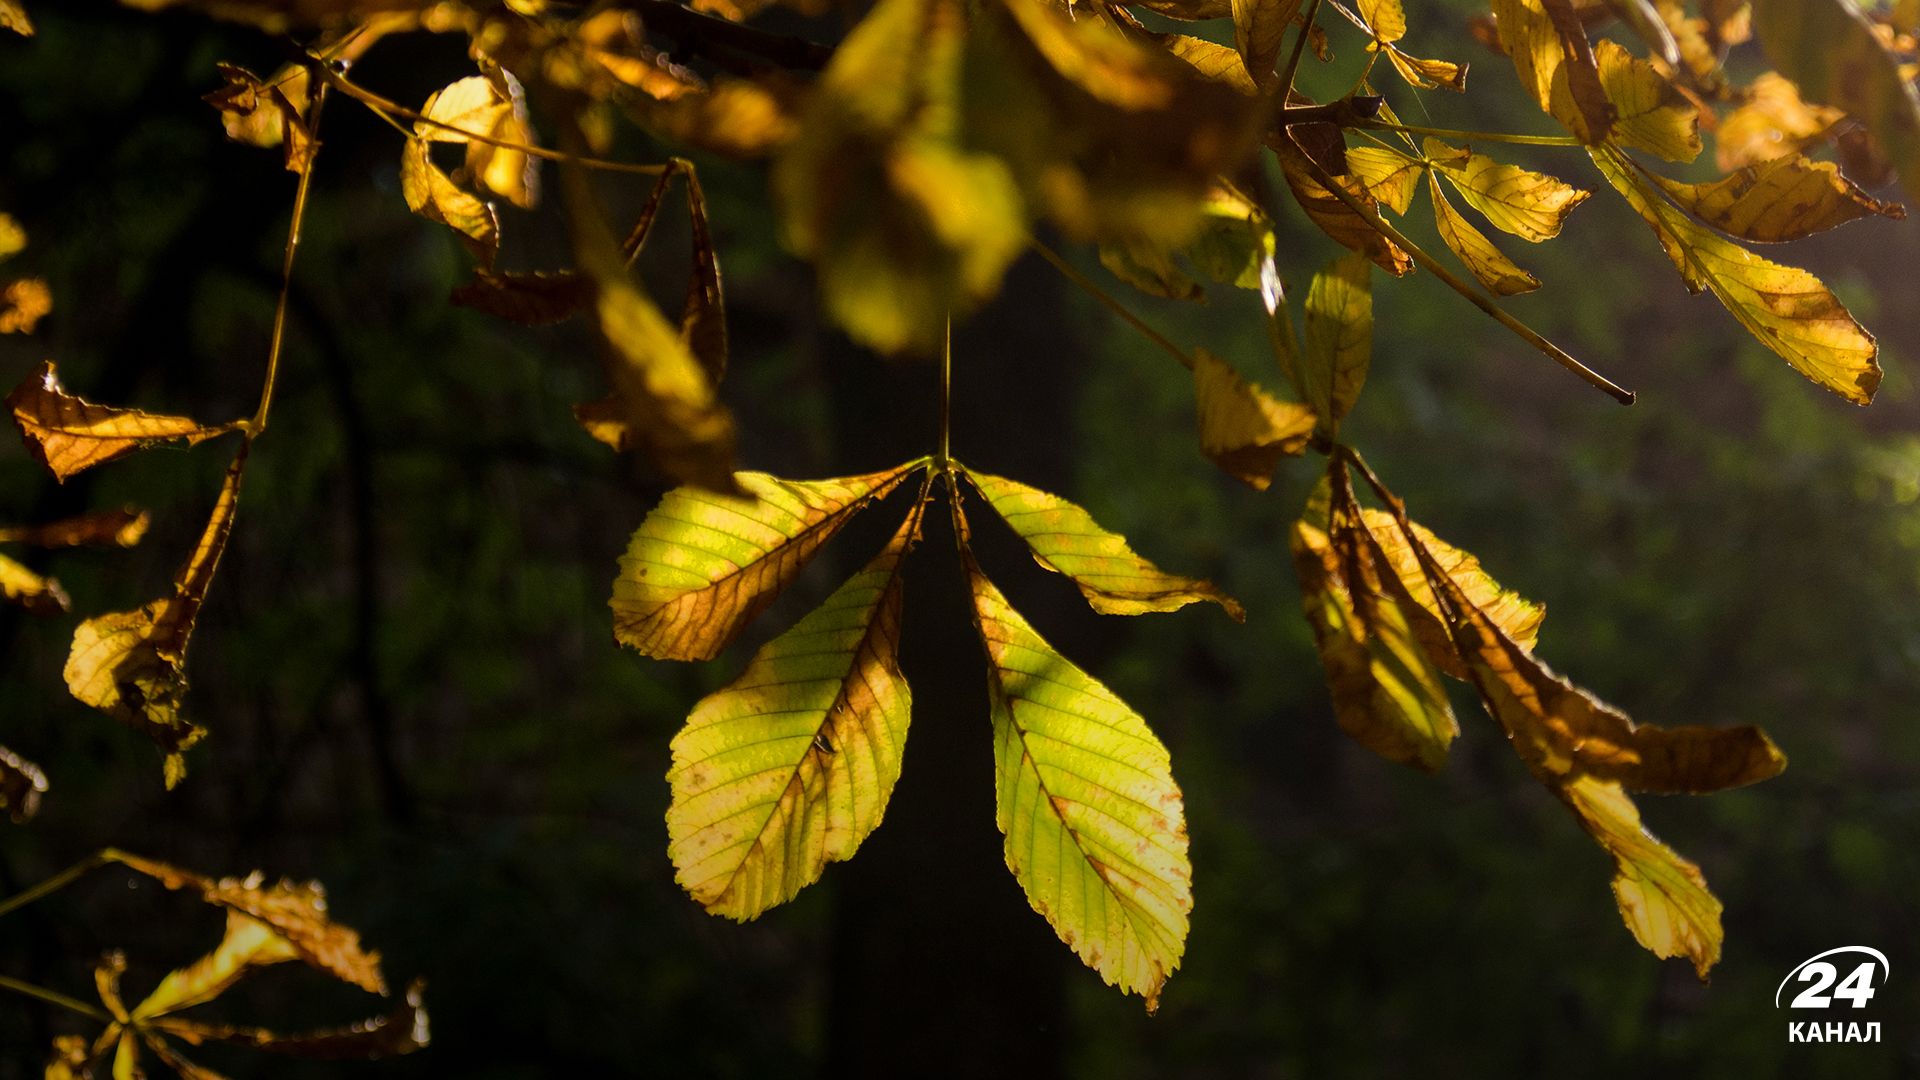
<point>413,694</point>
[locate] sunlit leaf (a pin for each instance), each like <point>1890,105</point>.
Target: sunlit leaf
<point>667,398</point>
<point>1333,216</point>
<point>13,238</point>
<point>1065,539</point>
<point>1386,691</point>
<point>1389,175</point>
<point>789,767</point>
<point>248,944</point>
<point>21,786</point>
<point>13,16</point>
<point>1662,897</point>
<point>132,665</point>
<point>1150,269</point>
<point>1428,74</point>
<point>1652,114</point>
<point>1493,269</point>
<point>295,911</point>
<point>1787,309</point>
<point>1830,49</point>
<point>1773,122</point>
<point>103,528</point>
<point>1095,827</point>
<point>432,194</point>
<point>1214,61</point>
<point>37,593</point>
<point>23,303</point>
<point>1784,198</point>
<point>1387,18</point>
<point>1244,429</point>
<point>703,564</point>
<point>1515,615</point>
<point>1532,206</point>
<point>1234,246</point>
<point>1338,338</point>
<point>1259,29</point>
<point>1556,64</point>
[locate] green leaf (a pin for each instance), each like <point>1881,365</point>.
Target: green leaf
<point>1095,827</point>
<point>1829,47</point>
<point>703,564</point>
<point>1066,540</point>
<point>1787,309</point>
<point>790,766</point>
<point>1662,897</point>
<point>1338,339</point>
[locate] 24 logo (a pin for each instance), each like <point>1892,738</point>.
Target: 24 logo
<point>1825,988</point>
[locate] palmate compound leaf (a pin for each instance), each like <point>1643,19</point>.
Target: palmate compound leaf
<point>703,564</point>
<point>1830,48</point>
<point>1787,309</point>
<point>1387,694</point>
<point>1589,754</point>
<point>1065,539</point>
<point>132,665</point>
<point>68,434</point>
<point>1095,827</point>
<point>790,766</point>
<point>1780,199</point>
<point>1388,20</point>
<point>1244,429</point>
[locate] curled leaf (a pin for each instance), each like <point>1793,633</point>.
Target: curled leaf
<point>1244,429</point>
<point>1066,540</point>
<point>1662,897</point>
<point>702,564</point>
<point>68,434</point>
<point>1784,198</point>
<point>790,766</point>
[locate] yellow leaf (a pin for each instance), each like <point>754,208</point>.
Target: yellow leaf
<point>1662,897</point>
<point>1338,339</point>
<point>1515,615</point>
<point>296,912</point>
<point>1333,216</point>
<point>1784,198</point>
<point>1095,827</point>
<point>1066,540</point>
<point>13,238</point>
<point>1386,691</point>
<point>132,665</point>
<point>1428,74</point>
<point>702,564</point>
<point>904,220</point>
<point>1652,114</point>
<point>433,195</point>
<point>14,17</point>
<point>103,528</point>
<point>1244,429</point>
<point>1259,29</point>
<point>1830,48</point>
<point>1773,121</point>
<point>667,399</point>
<point>1389,175</point>
<point>1489,265</point>
<point>1151,269</point>
<point>1555,63</point>
<point>39,595</point>
<point>248,944</point>
<point>1787,309</point>
<point>21,786</point>
<point>1532,206</point>
<point>1387,18</point>
<point>1216,62</point>
<point>23,303</point>
<point>789,767</point>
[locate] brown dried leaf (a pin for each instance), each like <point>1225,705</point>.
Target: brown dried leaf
<point>103,528</point>
<point>23,303</point>
<point>1781,199</point>
<point>69,434</point>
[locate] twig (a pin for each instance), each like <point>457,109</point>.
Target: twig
<point>1112,304</point>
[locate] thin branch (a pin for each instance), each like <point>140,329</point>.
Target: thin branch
<point>57,882</point>
<point>259,422</point>
<point>1454,282</point>
<point>1299,47</point>
<point>946,398</point>
<point>54,997</point>
<point>1112,304</point>
<point>1469,136</point>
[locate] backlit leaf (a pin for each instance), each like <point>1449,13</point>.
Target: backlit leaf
<point>1555,63</point>
<point>1784,198</point>
<point>21,786</point>
<point>1095,827</point>
<point>1787,309</point>
<point>1389,175</point>
<point>1662,897</point>
<point>132,665</point>
<point>789,767</point>
<point>401,1030</point>
<point>433,195</point>
<point>1652,114</point>
<point>13,238</point>
<point>103,528</point>
<point>1772,122</point>
<point>1259,29</point>
<point>703,564</point>
<point>1428,74</point>
<point>1386,691</point>
<point>248,944</point>
<point>1532,206</point>
<point>1830,49</point>
<point>1387,18</point>
<point>1515,615</point>
<point>1338,338</point>
<point>37,593</point>
<point>1065,539</point>
<point>1333,216</point>
<point>1244,429</point>
<point>23,303</point>
<point>13,17</point>
<point>1150,269</point>
<point>1489,265</point>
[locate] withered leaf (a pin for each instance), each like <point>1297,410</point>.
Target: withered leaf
<point>530,299</point>
<point>1784,198</point>
<point>1773,121</point>
<point>1390,176</point>
<point>1532,206</point>
<point>68,434</point>
<point>1555,61</point>
<point>1244,429</point>
<point>103,528</point>
<point>1333,216</point>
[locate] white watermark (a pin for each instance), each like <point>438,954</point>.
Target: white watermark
<point>1824,987</point>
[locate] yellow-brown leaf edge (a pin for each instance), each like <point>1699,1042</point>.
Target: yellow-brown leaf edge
<point>1066,540</point>
<point>1095,826</point>
<point>703,564</point>
<point>790,766</point>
